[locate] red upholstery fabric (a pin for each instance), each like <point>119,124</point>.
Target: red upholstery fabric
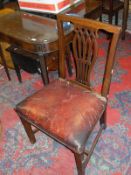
<point>65,110</point>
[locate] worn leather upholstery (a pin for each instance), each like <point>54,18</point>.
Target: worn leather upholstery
<point>67,111</point>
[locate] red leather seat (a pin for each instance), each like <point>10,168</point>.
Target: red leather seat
<point>66,113</point>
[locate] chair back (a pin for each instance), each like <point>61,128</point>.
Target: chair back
<point>85,48</point>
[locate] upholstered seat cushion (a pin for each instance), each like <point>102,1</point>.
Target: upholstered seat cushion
<point>64,110</point>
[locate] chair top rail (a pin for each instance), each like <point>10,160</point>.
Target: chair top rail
<point>90,23</point>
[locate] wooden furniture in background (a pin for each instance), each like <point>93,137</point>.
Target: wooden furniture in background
<point>83,8</point>
<point>112,8</point>
<point>69,110</point>
<point>125,17</point>
<point>32,35</point>
<point>93,9</point>
<point>86,9</point>
<point>12,5</point>
<point>7,62</point>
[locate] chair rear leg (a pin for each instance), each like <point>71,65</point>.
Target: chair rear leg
<point>79,163</point>
<point>28,130</point>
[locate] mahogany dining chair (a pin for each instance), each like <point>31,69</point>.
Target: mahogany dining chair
<point>68,111</point>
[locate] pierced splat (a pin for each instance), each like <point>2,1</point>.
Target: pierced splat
<point>85,51</point>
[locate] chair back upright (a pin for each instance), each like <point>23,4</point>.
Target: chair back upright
<point>85,48</point>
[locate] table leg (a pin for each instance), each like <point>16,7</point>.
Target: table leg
<point>17,68</point>
<point>44,72</point>
<point>4,63</point>
<point>125,17</point>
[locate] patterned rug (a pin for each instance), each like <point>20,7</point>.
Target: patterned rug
<point>112,155</point>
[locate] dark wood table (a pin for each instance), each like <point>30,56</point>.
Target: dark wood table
<point>35,35</point>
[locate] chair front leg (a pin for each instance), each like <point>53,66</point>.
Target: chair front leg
<point>28,130</point>
<point>80,163</point>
